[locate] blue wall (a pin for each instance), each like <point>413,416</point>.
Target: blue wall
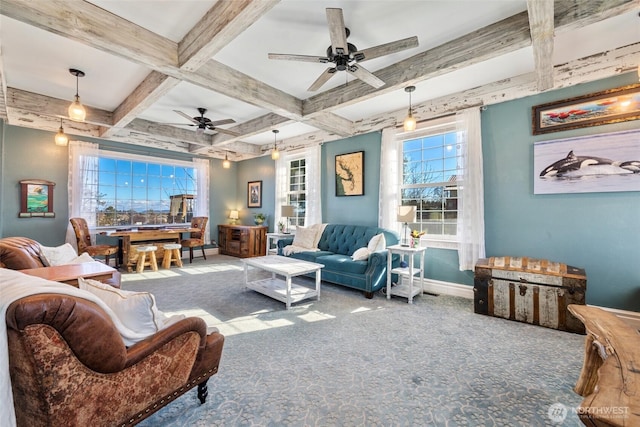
<point>596,231</point>
<point>258,169</point>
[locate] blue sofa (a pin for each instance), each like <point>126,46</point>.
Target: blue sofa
<point>337,244</point>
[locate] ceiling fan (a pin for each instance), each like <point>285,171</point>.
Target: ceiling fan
<point>346,56</point>
<point>203,123</point>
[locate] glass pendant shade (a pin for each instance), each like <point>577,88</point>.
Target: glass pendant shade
<point>275,154</point>
<point>226,163</point>
<point>409,123</point>
<point>77,111</point>
<point>61,139</point>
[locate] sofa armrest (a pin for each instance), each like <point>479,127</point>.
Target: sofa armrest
<point>143,348</point>
<point>282,243</point>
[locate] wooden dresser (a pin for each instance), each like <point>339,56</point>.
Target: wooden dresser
<point>243,241</point>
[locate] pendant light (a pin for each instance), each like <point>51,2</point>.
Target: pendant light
<point>226,163</point>
<point>410,122</point>
<point>275,154</point>
<point>76,109</point>
<point>61,139</point>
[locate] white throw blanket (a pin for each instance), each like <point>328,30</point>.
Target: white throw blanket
<point>292,249</point>
<point>15,285</point>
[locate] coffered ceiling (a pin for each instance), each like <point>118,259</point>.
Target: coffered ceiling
<point>144,59</point>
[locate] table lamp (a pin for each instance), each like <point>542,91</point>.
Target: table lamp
<point>233,216</point>
<point>286,211</point>
<point>406,214</point>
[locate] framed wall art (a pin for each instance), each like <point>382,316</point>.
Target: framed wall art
<point>254,194</point>
<point>350,174</point>
<point>609,106</point>
<point>36,198</point>
<point>588,164</point>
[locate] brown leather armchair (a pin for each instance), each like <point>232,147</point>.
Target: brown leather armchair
<point>197,237</point>
<point>83,238</point>
<point>69,365</point>
<point>20,253</point>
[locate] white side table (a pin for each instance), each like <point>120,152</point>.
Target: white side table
<point>405,290</point>
<point>273,238</point>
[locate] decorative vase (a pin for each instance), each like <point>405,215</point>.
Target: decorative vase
<point>415,242</point>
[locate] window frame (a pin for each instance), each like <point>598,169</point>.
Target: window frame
<point>297,220</point>
<point>440,126</point>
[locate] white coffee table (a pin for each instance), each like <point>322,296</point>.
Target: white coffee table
<point>277,288</point>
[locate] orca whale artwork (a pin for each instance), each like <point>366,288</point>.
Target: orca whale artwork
<point>588,164</point>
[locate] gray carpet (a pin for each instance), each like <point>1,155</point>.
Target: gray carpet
<point>349,361</point>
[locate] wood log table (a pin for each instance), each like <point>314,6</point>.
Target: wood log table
<point>610,376</point>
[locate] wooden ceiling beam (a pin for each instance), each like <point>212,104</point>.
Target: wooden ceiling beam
<point>489,42</point>
<point>541,27</point>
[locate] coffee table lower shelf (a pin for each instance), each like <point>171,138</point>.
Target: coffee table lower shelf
<point>277,289</point>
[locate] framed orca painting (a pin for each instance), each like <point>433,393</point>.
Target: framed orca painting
<point>609,106</point>
<point>588,164</point>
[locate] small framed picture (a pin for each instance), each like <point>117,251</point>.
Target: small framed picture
<point>254,194</point>
<point>36,198</point>
<point>350,174</point>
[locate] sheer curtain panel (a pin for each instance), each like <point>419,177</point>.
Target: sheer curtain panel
<point>83,183</point>
<point>470,228</point>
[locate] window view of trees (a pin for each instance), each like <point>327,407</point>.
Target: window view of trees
<point>142,193</point>
<point>430,182</point>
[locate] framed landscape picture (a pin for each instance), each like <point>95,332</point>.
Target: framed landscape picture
<point>36,198</point>
<point>610,106</point>
<point>254,194</point>
<point>350,174</point>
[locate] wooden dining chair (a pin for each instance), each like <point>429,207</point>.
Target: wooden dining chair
<point>197,237</point>
<point>83,238</point>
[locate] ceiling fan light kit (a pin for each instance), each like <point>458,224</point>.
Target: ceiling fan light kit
<point>61,139</point>
<point>346,56</point>
<point>77,111</point>
<point>410,121</point>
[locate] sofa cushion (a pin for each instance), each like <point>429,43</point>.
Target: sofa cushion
<point>305,237</point>
<point>136,310</point>
<point>342,263</point>
<point>310,256</point>
<point>59,255</point>
<point>18,253</point>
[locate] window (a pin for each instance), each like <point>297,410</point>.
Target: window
<point>296,193</point>
<point>134,191</point>
<point>431,161</point>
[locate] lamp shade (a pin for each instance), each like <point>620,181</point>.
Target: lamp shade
<point>287,211</point>
<point>233,215</point>
<point>406,214</point>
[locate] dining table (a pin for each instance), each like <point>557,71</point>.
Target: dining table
<point>131,238</point>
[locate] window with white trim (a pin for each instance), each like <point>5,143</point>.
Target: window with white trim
<point>296,193</point>
<point>431,160</point>
<point>136,190</point>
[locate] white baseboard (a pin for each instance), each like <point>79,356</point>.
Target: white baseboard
<point>464,291</point>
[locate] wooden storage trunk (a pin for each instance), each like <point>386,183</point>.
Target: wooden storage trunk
<point>529,290</point>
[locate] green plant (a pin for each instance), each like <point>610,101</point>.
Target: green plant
<point>260,216</point>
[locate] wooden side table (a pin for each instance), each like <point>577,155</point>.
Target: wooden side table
<point>70,273</point>
<point>405,290</point>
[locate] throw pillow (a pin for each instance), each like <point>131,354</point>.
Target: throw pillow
<point>135,310</point>
<point>82,258</point>
<point>361,254</point>
<point>305,237</point>
<point>377,243</point>
<point>58,255</point>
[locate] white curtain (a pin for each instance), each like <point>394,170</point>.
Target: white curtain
<point>82,180</point>
<point>470,189</point>
<point>389,197</point>
<point>312,157</point>
<point>201,207</point>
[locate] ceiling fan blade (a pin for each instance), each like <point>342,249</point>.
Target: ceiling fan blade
<point>186,116</point>
<point>386,49</point>
<point>179,124</point>
<point>365,75</point>
<point>337,31</point>
<point>324,77</point>
<point>220,122</point>
<point>226,132</point>
<point>304,58</point>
